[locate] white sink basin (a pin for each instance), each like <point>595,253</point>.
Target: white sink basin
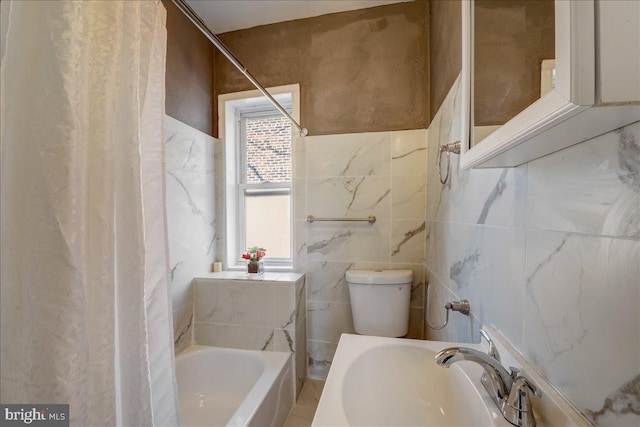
<point>395,382</point>
<point>376,381</point>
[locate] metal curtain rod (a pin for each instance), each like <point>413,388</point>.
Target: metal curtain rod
<point>199,23</point>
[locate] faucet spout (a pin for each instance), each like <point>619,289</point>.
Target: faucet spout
<point>499,376</point>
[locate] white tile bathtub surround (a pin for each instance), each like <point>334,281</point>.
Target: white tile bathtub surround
<point>549,254</point>
<point>191,216</point>
<point>266,313</point>
<point>183,327</point>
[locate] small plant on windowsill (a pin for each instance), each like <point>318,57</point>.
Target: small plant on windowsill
<point>254,257</point>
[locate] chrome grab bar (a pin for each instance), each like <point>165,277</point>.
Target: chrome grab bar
<point>370,219</point>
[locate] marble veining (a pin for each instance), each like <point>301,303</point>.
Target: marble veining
<point>623,401</point>
<point>194,208</point>
<point>191,224</point>
<point>548,259</point>
<point>325,246</point>
<point>408,236</point>
<point>267,342</point>
<point>358,175</point>
<point>462,271</point>
<point>403,155</point>
<point>495,193</point>
<point>629,155</point>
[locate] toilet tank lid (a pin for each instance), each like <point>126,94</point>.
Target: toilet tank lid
<point>379,277</point>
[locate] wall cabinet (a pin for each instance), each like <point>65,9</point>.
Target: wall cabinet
<point>597,89</point>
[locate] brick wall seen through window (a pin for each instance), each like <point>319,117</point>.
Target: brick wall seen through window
<point>268,145</point>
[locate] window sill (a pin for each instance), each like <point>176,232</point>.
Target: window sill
<point>268,276</point>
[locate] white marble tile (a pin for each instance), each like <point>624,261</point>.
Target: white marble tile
<point>300,246</point>
<point>320,356</point>
<point>284,340</point>
<point>190,206</point>
<point>234,336</point>
<point>417,287</point>
<point>328,320</point>
<point>484,265</point>
<point>301,299</point>
<point>327,282</point>
<point>581,315</point>
<point>482,196</point>
<point>460,328</point>
<point>285,310</point>
<point>349,197</point>
<point>235,302</point>
<point>409,152</point>
<point>408,197</point>
<point>592,187</point>
<point>356,154</point>
<point>299,198</point>
<point>299,156</point>
<point>407,240</point>
<point>348,241</point>
<point>182,327</point>
<point>301,353</point>
<point>436,296</point>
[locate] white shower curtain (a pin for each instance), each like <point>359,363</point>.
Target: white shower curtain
<point>85,309</point>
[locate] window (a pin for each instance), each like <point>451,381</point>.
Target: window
<point>265,183</point>
<point>258,172</point>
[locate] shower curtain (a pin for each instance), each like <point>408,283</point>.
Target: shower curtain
<point>85,308</point>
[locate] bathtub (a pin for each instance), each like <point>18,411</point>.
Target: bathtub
<point>228,387</point>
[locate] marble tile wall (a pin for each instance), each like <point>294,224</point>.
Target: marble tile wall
<point>549,254</point>
<point>266,313</point>
<point>191,217</point>
<point>357,175</point>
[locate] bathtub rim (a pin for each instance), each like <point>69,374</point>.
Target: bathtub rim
<point>275,362</point>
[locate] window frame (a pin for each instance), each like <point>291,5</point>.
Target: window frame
<point>251,103</point>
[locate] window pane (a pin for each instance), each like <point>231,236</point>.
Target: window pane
<point>268,142</point>
<point>268,222</point>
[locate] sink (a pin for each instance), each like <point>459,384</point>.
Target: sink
<point>377,381</point>
<point>379,390</point>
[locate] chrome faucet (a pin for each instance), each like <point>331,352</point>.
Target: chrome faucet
<point>509,390</point>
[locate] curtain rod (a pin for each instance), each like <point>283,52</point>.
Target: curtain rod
<point>199,23</point>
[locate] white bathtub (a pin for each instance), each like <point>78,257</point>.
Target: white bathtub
<point>228,387</point>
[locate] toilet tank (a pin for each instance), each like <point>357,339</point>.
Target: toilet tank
<point>380,301</point>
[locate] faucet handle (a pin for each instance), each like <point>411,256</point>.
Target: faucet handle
<point>493,350</point>
<point>523,383</point>
<point>518,409</point>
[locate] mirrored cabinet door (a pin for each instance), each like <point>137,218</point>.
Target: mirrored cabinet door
<point>534,78</point>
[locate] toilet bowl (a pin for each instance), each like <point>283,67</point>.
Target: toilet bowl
<point>380,301</point>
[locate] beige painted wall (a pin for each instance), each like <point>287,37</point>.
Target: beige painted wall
<point>511,38</point>
<point>189,73</point>
<point>364,70</point>
<point>445,57</point>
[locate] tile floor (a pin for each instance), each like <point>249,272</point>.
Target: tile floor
<point>301,415</point>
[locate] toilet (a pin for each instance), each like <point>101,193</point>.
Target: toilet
<point>380,301</point>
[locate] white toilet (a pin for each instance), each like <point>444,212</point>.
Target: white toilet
<point>380,301</point>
